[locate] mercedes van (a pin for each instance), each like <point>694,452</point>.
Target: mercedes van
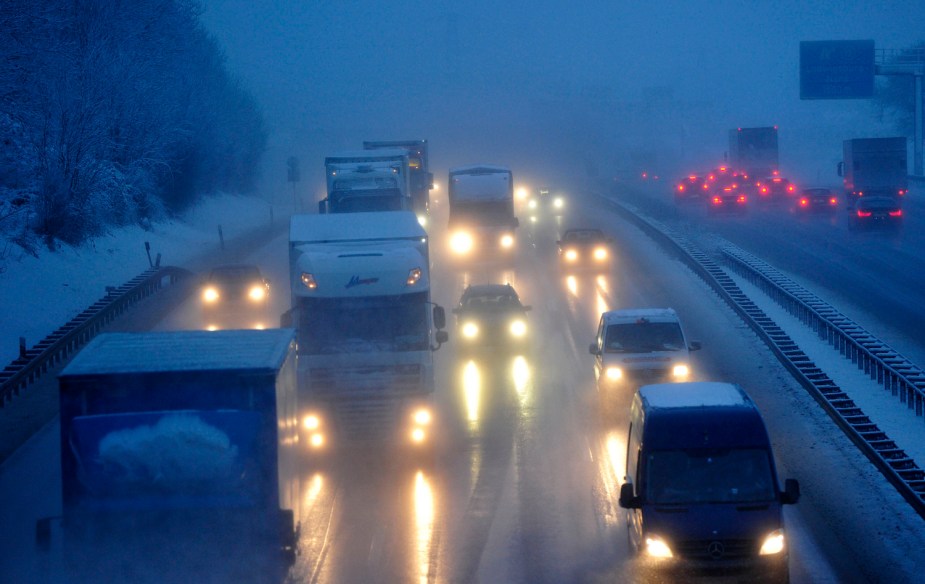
<point>701,488</point>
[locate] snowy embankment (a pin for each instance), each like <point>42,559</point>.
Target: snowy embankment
<point>39,294</point>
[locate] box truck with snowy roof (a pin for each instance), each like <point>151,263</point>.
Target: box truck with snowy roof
<point>421,179</point>
<point>180,441</point>
<point>367,181</point>
<point>482,221</point>
<point>361,304</point>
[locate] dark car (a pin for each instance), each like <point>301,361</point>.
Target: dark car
<point>775,189</point>
<point>546,203</point>
<point>235,296</point>
<point>727,194</point>
<point>584,249</point>
<point>816,200</point>
<point>875,213</point>
<point>491,315</point>
<point>690,188</point>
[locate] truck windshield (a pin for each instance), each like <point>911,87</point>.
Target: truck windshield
<point>643,337</point>
<point>708,476</point>
<point>367,201</point>
<point>369,324</point>
<point>483,212</point>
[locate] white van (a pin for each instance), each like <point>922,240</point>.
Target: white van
<point>637,346</point>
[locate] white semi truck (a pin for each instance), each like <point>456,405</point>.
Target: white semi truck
<point>367,181</point>
<point>482,221</point>
<point>366,327</point>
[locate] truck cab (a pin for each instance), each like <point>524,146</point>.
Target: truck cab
<point>367,181</point>
<point>701,486</point>
<point>482,222</point>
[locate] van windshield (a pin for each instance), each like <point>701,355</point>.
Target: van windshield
<point>678,477</point>
<point>643,337</point>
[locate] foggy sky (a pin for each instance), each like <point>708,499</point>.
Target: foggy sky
<point>546,86</point>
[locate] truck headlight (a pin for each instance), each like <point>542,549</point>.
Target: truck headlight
<point>210,294</point>
<point>773,543</point>
<point>422,417</point>
<point>656,547</point>
<point>309,281</point>
<point>461,242</point>
<point>680,371</point>
<point>507,241</point>
<point>311,422</point>
<point>470,330</point>
<point>414,276</point>
<point>257,293</point>
<point>613,373</point>
<point>518,328</point>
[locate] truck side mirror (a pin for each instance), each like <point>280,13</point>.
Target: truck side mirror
<point>516,222</point>
<point>285,320</point>
<point>593,349</point>
<point>628,499</point>
<point>841,169</point>
<point>442,337</point>
<point>323,207</point>
<point>439,318</point>
<point>527,308</point>
<point>791,492</point>
<point>695,346</point>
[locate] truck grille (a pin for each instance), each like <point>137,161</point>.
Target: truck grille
<point>717,549</point>
<point>384,379</point>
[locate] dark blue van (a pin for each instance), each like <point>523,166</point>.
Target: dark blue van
<point>701,485</point>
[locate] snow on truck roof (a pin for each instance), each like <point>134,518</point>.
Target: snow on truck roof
<point>694,394</point>
<point>354,226</point>
<point>356,155</point>
<point>474,168</point>
<point>179,351</point>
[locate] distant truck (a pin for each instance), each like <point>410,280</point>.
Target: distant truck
<point>361,303</point>
<point>874,167</point>
<point>367,181</point>
<point>482,220</point>
<point>175,441</point>
<point>421,179</point>
<point>753,151</point>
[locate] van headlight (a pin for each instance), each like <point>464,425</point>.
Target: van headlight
<point>680,371</point>
<point>571,255</point>
<point>613,373</point>
<point>656,547</point>
<point>773,544</point>
<point>210,294</point>
<point>600,253</point>
<point>257,293</point>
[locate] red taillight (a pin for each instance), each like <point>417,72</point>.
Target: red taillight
<point>791,188</point>
<point>711,177</point>
<point>692,178</point>
<point>776,179</point>
<point>741,199</point>
<point>722,169</point>
<point>864,213</point>
<point>764,190</point>
<point>680,187</point>
<point>804,202</point>
<point>833,201</point>
<point>705,186</point>
<point>903,192</point>
<point>717,200</point>
<point>645,175</point>
<point>896,213</point>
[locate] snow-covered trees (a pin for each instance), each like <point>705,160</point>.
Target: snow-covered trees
<point>115,111</point>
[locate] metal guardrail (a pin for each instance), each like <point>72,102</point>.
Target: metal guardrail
<point>894,372</point>
<point>892,461</point>
<point>66,340</point>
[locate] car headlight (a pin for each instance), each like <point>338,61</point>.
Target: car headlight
<point>773,544</point>
<point>461,242</point>
<point>680,371</point>
<point>571,255</point>
<point>532,204</point>
<point>311,422</point>
<point>470,330</point>
<point>518,328</point>
<point>422,417</point>
<point>613,373</point>
<point>600,253</point>
<point>257,293</point>
<point>656,547</point>
<point>558,203</point>
<point>507,241</point>
<point>210,294</point>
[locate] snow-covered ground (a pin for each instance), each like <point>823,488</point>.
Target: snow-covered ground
<point>39,294</point>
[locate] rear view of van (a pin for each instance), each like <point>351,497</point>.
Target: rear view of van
<point>701,488</point>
